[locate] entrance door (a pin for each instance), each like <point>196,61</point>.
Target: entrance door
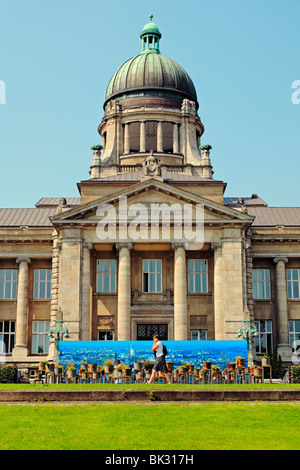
<point>146,332</point>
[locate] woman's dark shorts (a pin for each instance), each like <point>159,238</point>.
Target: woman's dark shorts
<point>160,364</point>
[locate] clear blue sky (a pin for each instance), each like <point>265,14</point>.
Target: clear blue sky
<point>57,57</point>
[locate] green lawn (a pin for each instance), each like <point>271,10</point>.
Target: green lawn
<point>236,426</point>
<point>136,426</point>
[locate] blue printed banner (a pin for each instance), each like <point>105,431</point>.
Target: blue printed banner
<point>219,353</point>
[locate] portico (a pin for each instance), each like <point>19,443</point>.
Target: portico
<point>141,277</point>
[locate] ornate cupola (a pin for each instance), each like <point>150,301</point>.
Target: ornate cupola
<point>150,37</point>
<point>151,109</point>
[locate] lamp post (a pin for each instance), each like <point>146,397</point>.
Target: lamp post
<point>57,333</point>
<point>248,331</point>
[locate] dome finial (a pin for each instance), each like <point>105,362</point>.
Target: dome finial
<point>150,37</point>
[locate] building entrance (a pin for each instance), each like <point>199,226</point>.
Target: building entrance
<point>146,331</point>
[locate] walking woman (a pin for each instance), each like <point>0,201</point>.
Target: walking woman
<point>160,363</point>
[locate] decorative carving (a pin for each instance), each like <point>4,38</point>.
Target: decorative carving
<point>151,166</point>
<point>197,321</point>
<point>88,245</point>
<point>120,245</point>
<point>25,260</point>
<point>178,245</point>
<point>215,245</point>
<point>277,260</point>
<point>106,322</point>
<point>114,107</point>
<point>188,107</point>
<point>62,205</point>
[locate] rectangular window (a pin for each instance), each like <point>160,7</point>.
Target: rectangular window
<point>294,332</point>
<point>42,284</point>
<point>8,284</point>
<point>264,342</point>
<point>107,276</point>
<point>105,335</point>
<point>152,275</point>
<point>197,335</point>
<point>261,284</point>
<point>40,337</point>
<point>197,276</point>
<point>146,331</point>
<point>7,336</point>
<point>293,280</point>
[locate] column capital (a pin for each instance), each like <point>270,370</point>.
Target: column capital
<point>283,259</point>
<point>23,260</point>
<point>178,245</point>
<point>120,245</point>
<point>216,245</point>
<point>89,246</point>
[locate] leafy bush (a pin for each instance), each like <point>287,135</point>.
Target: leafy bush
<point>295,374</point>
<point>8,374</point>
<point>277,369</point>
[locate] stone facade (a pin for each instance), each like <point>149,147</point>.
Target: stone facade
<point>121,280</point>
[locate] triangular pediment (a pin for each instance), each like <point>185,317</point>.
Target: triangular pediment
<point>150,194</point>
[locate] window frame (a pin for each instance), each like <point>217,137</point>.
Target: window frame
<point>156,273</point>
<point>44,334</point>
<point>293,332</point>
<point>290,283</point>
<point>39,282</point>
<point>13,281</point>
<point>199,333</point>
<point>192,275</point>
<point>106,334</point>
<point>264,282</point>
<point>11,334</point>
<point>109,274</point>
<point>263,336</point>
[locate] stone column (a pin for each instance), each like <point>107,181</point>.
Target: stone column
<point>126,139</point>
<point>219,315</point>
<point>20,349</point>
<point>159,137</point>
<point>70,284</point>
<point>232,280</point>
<point>85,292</point>
<point>142,137</point>
<point>119,137</point>
<point>175,138</point>
<point>53,353</point>
<point>124,291</point>
<point>283,347</point>
<point>180,293</point>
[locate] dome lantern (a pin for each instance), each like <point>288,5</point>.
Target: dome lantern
<point>150,37</point>
<point>150,106</point>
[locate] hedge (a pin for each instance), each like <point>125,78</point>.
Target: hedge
<point>8,374</point>
<point>295,374</point>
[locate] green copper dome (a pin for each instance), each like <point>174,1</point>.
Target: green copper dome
<point>150,28</point>
<point>151,71</point>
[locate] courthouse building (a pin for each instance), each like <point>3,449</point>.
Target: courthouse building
<point>56,264</point>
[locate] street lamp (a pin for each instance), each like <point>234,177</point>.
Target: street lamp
<point>248,331</point>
